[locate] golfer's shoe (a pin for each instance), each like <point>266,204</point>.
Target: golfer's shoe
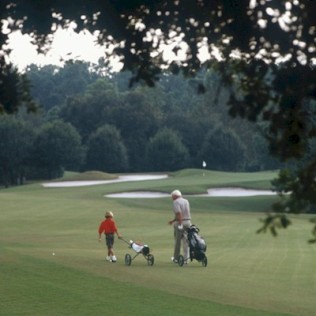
<point>176,261</point>
<point>108,258</point>
<point>113,259</point>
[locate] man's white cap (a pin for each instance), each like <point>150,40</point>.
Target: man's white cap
<point>176,193</point>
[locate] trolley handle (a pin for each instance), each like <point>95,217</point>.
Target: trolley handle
<point>127,242</point>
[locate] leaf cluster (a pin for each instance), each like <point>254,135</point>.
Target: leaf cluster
<point>273,222</point>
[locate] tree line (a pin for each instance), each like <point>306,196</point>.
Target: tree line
<point>91,121</point>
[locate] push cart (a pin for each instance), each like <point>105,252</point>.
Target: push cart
<point>140,249</point>
<point>197,247</point>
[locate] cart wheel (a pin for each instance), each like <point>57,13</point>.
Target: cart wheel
<point>181,261</point>
<point>204,262</point>
<point>128,259</point>
<point>150,260</point>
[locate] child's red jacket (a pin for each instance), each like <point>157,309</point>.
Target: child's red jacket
<point>108,226</point>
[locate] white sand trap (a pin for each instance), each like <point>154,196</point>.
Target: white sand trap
<point>238,192</point>
<point>139,177</point>
<point>215,192</point>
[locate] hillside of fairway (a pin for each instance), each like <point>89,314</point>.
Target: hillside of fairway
<point>52,264</point>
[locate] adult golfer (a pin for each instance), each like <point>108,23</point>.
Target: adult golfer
<point>181,224</point>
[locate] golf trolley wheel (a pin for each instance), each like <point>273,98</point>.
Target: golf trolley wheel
<point>150,260</point>
<point>204,262</point>
<point>181,261</point>
<point>128,259</point>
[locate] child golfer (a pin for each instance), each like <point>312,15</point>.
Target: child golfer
<point>108,227</point>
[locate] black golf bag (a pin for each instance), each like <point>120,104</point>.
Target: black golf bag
<point>197,244</point>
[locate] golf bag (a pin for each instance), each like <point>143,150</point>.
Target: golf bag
<point>139,248</point>
<point>197,244</point>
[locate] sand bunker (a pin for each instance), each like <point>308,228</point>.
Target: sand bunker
<point>214,192</point>
<point>238,192</point>
<point>126,178</point>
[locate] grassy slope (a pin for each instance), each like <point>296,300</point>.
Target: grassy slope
<point>248,274</point>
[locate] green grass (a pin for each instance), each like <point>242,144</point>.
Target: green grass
<point>247,274</point>
<point>85,176</point>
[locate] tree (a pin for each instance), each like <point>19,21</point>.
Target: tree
<point>106,151</point>
<point>222,150</point>
<point>57,146</point>
<point>264,50</point>
<point>166,152</point>
<point>15,147</point>
<point>52,85</point>
<point>91,110</point>
<point>138,118</point>
<point>43,85</point>
<point>261,159</point>
<point>14,89</point>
